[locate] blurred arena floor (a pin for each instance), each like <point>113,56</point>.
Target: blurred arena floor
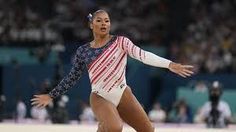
<point>5,127</point>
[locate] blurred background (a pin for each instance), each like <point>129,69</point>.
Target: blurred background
<point>39,38</point>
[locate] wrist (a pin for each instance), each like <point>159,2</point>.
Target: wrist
<point>170,65</point>
<point>50,96</point>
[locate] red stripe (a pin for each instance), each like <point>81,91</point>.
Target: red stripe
<point>93,80</point>
<point>110,60</point>
<point>118,42</point>
<point>92,63</point>
<point>120,80</point>
<point>120,61</point>
<point>98,74</point>
<point>101,55</point>
<point>140,54</point>
<point>130,48</point>
<point>122,73</point>
<point>123,43</point>
<point>114,68</point>
<point>133,50</point>
<point>112,86</point>
<point>109,89</point>
<point>104,59</point>
<point>127,45</point>
<point>112,77</point>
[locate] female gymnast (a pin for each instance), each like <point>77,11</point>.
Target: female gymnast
<point>105,58</point>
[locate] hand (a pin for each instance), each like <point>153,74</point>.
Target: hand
<point>41,101</point>
<point>182,70</point>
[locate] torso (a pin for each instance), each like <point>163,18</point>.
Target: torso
<point>106,67</point>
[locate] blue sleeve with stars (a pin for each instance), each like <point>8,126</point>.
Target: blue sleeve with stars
<point>70,80</point>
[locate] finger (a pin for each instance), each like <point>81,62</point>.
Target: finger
<point>38,105</point>
<point>188,66</point>
<point>188,71</point>
<point>37,95</point>
<point>34,103</point>
<point>182,75</point>
<point>44,105</point>
<point>186,74</point>
<point>34,99</point>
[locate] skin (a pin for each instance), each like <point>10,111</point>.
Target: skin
<point>129,110</point>
<point>100,27</point>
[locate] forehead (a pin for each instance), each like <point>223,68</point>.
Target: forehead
<point>101,15</point>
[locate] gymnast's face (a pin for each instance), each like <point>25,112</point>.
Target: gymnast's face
<point>100,24</point>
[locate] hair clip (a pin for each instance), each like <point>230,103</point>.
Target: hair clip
<point>90,16</point>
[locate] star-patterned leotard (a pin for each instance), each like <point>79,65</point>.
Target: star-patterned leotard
<point>106,67</point>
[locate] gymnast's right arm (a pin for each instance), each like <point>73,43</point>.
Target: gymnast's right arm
<point>66,83</point>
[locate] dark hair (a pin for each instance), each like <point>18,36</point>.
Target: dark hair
<point>91,16</point>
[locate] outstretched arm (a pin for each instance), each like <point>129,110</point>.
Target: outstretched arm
<point>154,60</point>
<point>66,83</point>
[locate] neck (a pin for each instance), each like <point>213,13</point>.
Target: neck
<point>100,40</point>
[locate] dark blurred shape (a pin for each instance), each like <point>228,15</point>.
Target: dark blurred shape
<point>216,113</point>
<point>1,92</point>
<point>181,112</point>
<point>1,89</point>
<point>2,102</point>
<point>215,93</point>
<point>1,96</point>
<point>208,40</point>
<point>59,113</point>
<point>35,23</point>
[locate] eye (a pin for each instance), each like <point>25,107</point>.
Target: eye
<point>107,21</point>
<point>98,20</point>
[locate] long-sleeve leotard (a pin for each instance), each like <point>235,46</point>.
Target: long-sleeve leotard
<point>106,65</point>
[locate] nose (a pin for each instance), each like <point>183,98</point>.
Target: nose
<point>103,24</point>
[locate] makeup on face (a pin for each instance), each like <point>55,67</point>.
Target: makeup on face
<point>101,23</point>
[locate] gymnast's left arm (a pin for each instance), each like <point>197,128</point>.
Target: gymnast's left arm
<point>154,60</point>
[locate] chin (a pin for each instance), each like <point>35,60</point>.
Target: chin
<point>103,34</point>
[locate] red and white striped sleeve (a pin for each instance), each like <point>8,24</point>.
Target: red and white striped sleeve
<point>142,55</point>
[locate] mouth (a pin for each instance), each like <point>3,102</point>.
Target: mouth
<point>103,29</point>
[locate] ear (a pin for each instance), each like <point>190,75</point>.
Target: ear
<point>91,25</point>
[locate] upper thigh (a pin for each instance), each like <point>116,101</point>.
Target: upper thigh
<point>105,112</point>
<point>132,112</point>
